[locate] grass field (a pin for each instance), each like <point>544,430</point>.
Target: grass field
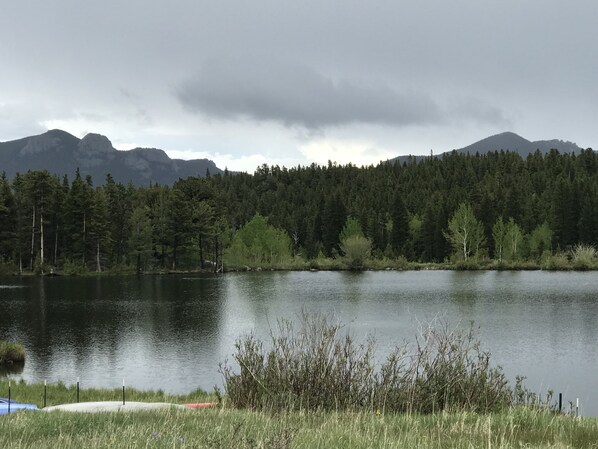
<point>228,428</point>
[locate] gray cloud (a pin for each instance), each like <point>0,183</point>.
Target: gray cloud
<point>461,68</point>
<point>298,96</point>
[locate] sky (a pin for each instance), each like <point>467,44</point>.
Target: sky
<point>284,82</point>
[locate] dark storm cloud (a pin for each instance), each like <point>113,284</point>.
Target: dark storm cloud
<point>297,95</point>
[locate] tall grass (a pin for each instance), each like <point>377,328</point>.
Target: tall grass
<point>320,367</point>
<point>11,353</point>
<point>584,257</point>
<point>221,428</point>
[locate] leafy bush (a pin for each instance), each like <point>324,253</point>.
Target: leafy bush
<point>357,250</point>
<point>558,261</point>
<point>320,367</point>
<point>11,353</point>
<point>259,244</point>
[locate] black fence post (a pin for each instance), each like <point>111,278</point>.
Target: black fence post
<point>560,402</point>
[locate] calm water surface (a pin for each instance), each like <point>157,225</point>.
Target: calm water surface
<point>171,332</point>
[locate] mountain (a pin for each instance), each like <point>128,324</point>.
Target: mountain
<point>62,153</point>
<point>506,141</point>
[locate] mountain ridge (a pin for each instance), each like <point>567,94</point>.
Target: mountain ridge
<point>506,141</point>
<point>62,153</point>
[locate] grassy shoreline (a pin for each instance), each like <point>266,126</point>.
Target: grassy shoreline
<point>59,393</point>
<point>228,428</point>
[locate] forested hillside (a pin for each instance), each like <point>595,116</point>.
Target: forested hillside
<point>496,206</point>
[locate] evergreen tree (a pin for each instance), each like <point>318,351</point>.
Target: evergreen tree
<point>140,241</point>
<point>334,216</point>
<point>78,207</point>
<point>400,225</point>
<point>99,229</point>
<point>179,224</point>
<point>8,222</point>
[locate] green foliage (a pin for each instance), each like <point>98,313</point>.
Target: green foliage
<point>320,367</point>
<point>584,257</point>
<point>558,261</point>
<point>465,232</point>
<point>513,240</point>
<point>11,353</point>
<point>403,210</point>
<point>357,250</point>
<point>401,225</point>
<point>140,242</point>
<point>258,244</point>
<point>73,268</point>
<point>540,241</point>
<point>333,219</point>
<point>352,228</point>
<point>499,235</point>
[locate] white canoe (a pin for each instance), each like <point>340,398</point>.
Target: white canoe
<point>112,406</point>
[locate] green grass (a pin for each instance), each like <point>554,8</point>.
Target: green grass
<point>11,353</point>
<point>228,428</point>
<point>61,394</point>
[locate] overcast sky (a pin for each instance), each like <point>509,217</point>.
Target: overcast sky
<point>294,82</point>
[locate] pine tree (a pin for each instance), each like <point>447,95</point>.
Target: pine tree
<point>400,225</point>
<point>8,221</point>
<point>140,241</point>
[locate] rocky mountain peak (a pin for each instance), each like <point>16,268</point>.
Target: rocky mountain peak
<point>95,143</point>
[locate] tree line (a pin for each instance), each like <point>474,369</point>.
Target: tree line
<point>498,206</point>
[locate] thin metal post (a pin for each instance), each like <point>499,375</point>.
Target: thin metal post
<point>577,407</point>
<point>9,397</point>
<point>77,389</point>
<point>45,392</point>
<point>560,402</point>
<point>123,391</point>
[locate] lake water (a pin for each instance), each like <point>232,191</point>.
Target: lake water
<point>171,332</point>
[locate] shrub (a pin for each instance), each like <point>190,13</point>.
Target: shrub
<point>357,250</point>
<point>11,353</point>
<point>320,367</point>
<point>583,257</point>
<point>72,268</point>
<point>558,261</point>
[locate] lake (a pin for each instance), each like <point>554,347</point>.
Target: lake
<point>171,332</point>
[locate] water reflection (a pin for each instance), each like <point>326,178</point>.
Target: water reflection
<point>171,332</point>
